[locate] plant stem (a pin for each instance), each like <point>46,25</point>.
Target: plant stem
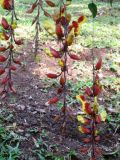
<point>37,29</point>
<point>11,43</point>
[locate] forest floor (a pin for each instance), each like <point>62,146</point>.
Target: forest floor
<point>37,126</point>
<point>31,130</point>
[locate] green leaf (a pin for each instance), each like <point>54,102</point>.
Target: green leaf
<point>111,1</point>
<point>93,8</point>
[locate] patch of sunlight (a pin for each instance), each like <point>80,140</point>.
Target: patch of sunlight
<point>23,31</point>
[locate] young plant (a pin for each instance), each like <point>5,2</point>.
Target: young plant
<point>93,115</point>
<point>7,58</point>
<point>38,4</point>
<point>65,33</point>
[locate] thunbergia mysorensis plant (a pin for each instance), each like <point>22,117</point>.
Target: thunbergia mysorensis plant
<point>7,59</point>
<point>65,32</point>
<point>93,114</point>
<point>38,5</point>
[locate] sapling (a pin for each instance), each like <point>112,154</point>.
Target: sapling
<point>92,114</point>
<point>65,32</point>
<point>37,5</point>
<point>7,58</point>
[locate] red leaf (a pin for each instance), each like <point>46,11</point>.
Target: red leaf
<point>59,31</point>
<point>99,64</point>
<point>57,118</point>
<point>2,58</point>
<point>63,9</point>
<point>63,109</point>
<point>60,90</point>
<point>50,3</point>
<point>75,57</point>
<point>87,121</point>
<point>34,5</point>
<point>17,61</point>
<point>88,109</point>
<point>98,119</point>
<point>2,91</point>
<point>4,81</point>
<point>98,151</point>
<point>2,49</point>
<point>11,46</point>
<point>53,100</point>
<point>18,42</point>
<point>47,14</point>
<point>80,19</point>
<point>13,68</point>
<point>97,78</point>
<point>70,28</point>
<point>88,91</point>
<point>4,23</point>
<point>84,150</point>
<point>75,24</point>
<point>51,75</point>
<point>86,140</point>
<point>92,158</point>
<point>6,36</point>
<point>62,81</point>
<point>13,89</point>
<point>7,4</point>
<point>85,130</point>
<point>11,83</point>
<point>82,98</point>
<point>96,90</point>
<point>2,70</point>
<point>97,138</point>
<point>55,53</point>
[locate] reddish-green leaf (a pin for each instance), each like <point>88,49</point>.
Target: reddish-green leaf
<point>96,90</point>
<point>59,31</point>
<point>88,108</point>
<point>51,75</point>
<point>6,36</point>
<point>74,57</point>
<point>47,14</point>
<point>84,129</point>
<point>62,81</point>
<point>88,91</point>
<point>18,42</point>
<point>98,119</point>
<point>99,64</point>
<point>4,23</point>
<point>53,100</point>
<point>50,3</point>
<point>34,5</point>
<point>55,53</point>
<point>7,4</point>
<point>86,140</point>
